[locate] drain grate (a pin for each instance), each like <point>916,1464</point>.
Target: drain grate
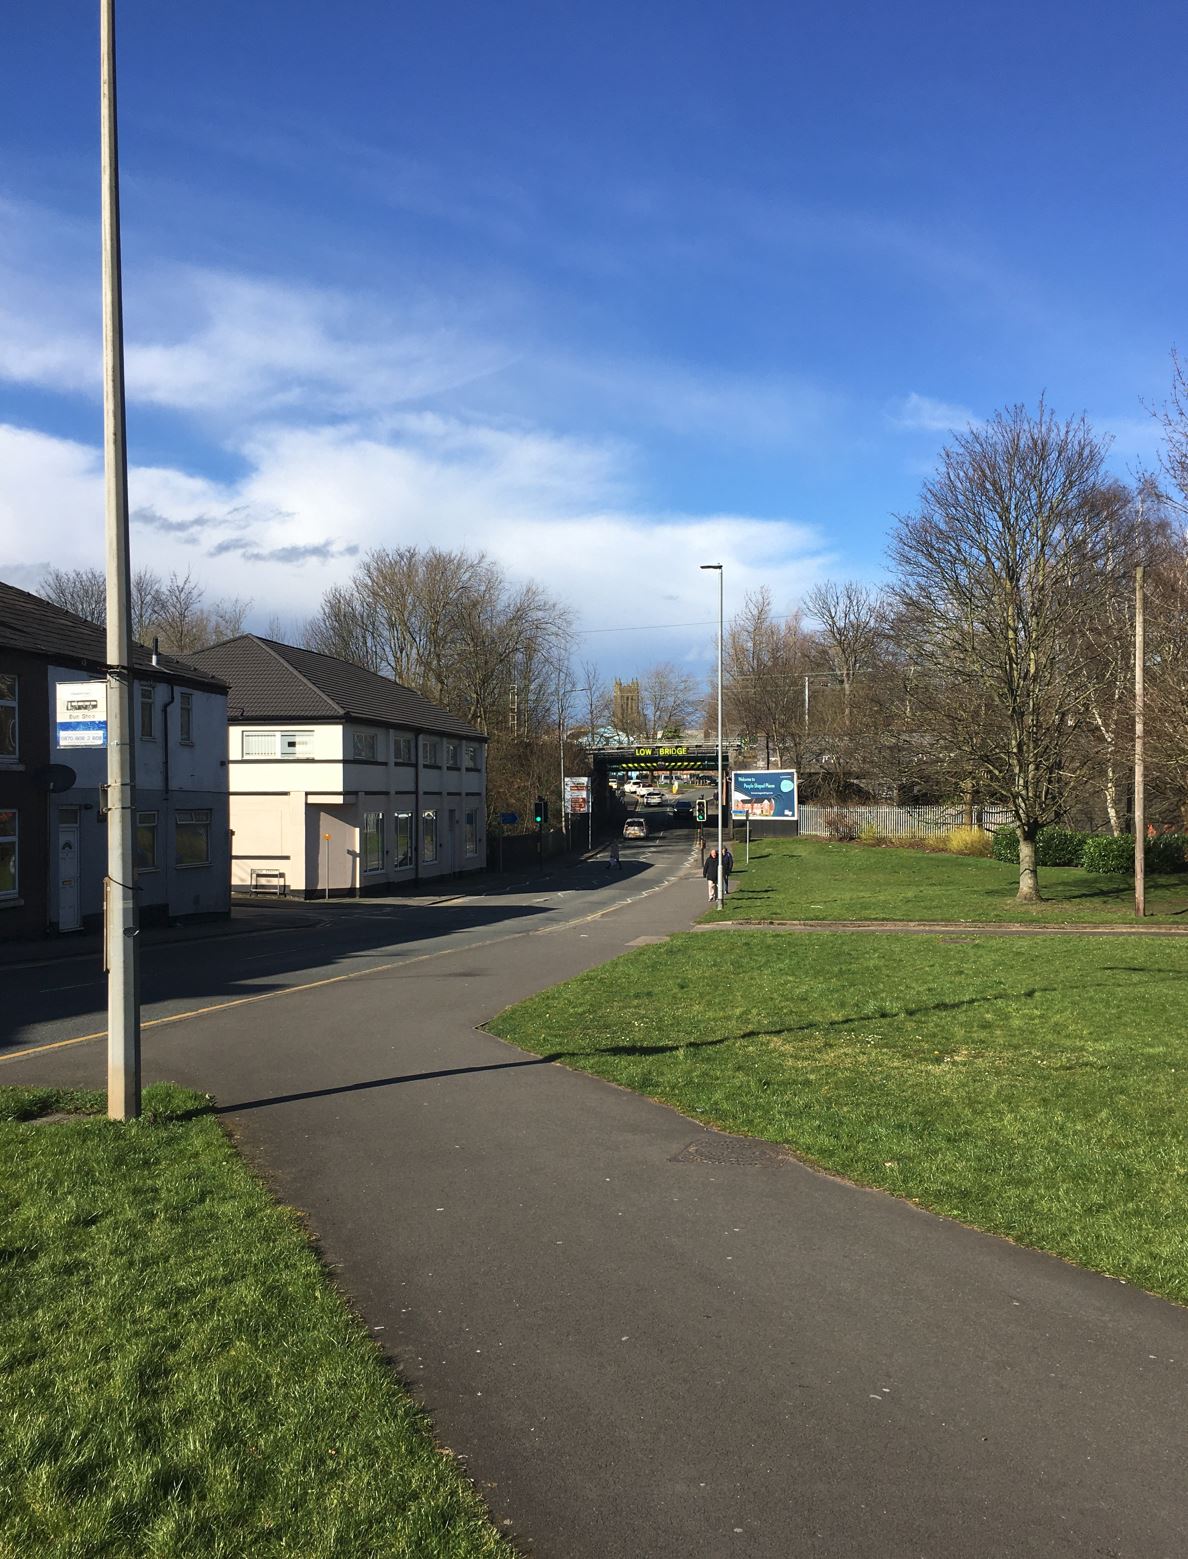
<point>743,1152</point>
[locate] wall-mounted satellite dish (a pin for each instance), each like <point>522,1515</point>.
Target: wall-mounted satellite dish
<point>54,777</point>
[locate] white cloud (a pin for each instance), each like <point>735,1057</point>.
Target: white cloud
<point>921,413</point>
<point>546,508</point>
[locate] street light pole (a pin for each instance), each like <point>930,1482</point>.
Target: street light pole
<point>120,920</point>
<point>717,568</point>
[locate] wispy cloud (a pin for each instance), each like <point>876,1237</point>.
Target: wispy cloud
<point>923,414</point>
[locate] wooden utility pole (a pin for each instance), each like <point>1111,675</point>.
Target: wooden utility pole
<point>121,921</point>
<point>1140,806</point>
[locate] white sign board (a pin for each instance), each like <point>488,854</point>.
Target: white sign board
<point>82,714</point>
<point>577,794</point>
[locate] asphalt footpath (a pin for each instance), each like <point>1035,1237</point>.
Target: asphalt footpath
<point>646,1340</point>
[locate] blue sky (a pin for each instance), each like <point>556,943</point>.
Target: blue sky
<point>608,291</point>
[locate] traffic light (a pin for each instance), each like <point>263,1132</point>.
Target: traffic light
<point>702,810</point>
<point>540,814</point>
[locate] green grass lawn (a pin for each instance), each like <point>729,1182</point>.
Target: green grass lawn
<point>810,879</point>
<point>177,1375</point>
<point>1033,1087</point>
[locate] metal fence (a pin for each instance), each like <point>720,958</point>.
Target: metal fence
<point>893,821</point>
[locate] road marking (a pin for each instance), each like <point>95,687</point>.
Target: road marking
<point>354,974</point>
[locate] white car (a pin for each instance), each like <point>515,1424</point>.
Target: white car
<point>635,828</point>
<point>652,798</point>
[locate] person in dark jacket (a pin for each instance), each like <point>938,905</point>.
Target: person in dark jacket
<point>710,872</point>
<point>727,868</point>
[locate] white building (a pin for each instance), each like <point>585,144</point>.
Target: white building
<point>343,781</point>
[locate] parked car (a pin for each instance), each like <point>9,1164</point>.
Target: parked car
<point>635,828</point>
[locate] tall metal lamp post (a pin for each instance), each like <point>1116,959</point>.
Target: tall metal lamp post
<point>717,568</point>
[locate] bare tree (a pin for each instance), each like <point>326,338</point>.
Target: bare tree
<point>1174,417</point>
<point>171,612</point>
<point>82,591</point>
<point>452,625</point>
<point>593,709</point>
<point>852,618</point>
<point>668,699</point>
<point>146,601</point>
<point>765,660</point>
<point>1142,534</point>
<point>1010,559</point>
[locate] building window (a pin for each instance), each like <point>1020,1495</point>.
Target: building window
<point>373,841</point>
<point>146,841</point>
<point>270,744</point>
<point>366,746</point>
<point>471,819</point>
<point>431,752</point>
<point>8,717</point>
<point>402,839</point>
<point>8,854</point>
<point>147,712</point>
<point>192,837</point>
<point>429,836</point>
<point>452,750</point>
<point>259,744</point>
<point>472,755</point>
<point>185,720</point>
<point>402,749</point>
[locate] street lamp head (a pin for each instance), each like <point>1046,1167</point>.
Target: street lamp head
<point>718,566</point>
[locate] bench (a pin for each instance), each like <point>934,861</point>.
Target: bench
<point>269,881</point>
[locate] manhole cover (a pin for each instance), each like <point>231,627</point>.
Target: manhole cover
<point>720,1149</point>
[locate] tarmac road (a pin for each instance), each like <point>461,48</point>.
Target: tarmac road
<point>647,1341</point>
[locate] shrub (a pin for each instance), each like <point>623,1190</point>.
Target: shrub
<point>869,834</point>
<point>1108,853</point>
<point>840,825</point>
<point>967,841</point>
<point>1056,846</point>
<point>1167,853</point>
<point>1005,845</point>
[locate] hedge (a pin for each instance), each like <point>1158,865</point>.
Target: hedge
<point>1056,846</point>
<point>1053,846</point>
<point>1105,853</point>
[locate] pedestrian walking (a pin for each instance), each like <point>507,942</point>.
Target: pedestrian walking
<point>613,863</point>
<point>710,872</point>
<point>727,868</point>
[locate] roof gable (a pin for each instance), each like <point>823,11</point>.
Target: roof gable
<point>273,681</point>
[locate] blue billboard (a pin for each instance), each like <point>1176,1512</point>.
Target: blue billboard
<point>764,793</point>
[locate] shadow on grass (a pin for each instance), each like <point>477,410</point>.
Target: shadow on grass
<point>641,1051</point>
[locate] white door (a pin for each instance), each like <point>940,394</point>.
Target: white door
<point>69,895</point>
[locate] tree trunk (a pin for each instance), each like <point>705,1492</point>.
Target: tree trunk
<point>1111,799</point>
<point>1029,892</point>
<point>969,805</point>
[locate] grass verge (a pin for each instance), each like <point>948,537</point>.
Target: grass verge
<point>178,1375</point>
<point>811,879</point>
<point>1030,1087</point>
